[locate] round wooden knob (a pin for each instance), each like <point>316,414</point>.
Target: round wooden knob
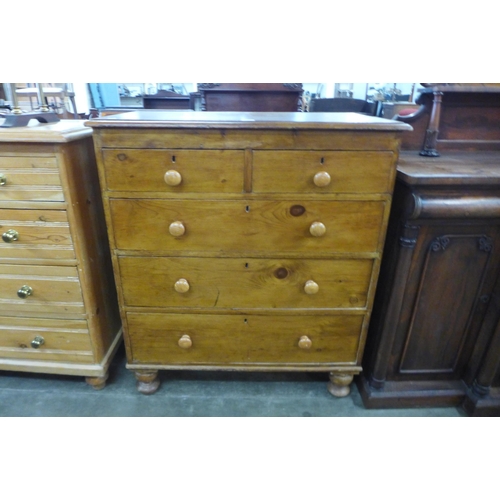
<point>311,287</point>
<point>322,179</point>
<point>305,342</point>
<point>317,229</point>
<point>176,228</point>
<point>181,286</point>
<point>185,342</point>
<point>172,177</point>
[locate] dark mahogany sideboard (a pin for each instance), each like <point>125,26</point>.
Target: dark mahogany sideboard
<point>246,241</point>
<point>434,335</point>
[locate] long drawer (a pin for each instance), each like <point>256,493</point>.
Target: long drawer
<point>44,339</point>
<point>29,179</point>
<point>195,171</point>
<point>322,172</point>
<point>244,283</point>
<point>35,234</point>
<point>242,226</point>
<point>40,289</point>
<point>239,339</point>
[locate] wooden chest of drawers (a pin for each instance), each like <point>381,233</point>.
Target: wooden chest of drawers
<point>58,305</point>
<point>246,241</point>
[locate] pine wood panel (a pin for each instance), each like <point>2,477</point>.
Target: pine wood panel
<point>244,283</point>
<point>247,226</point>
<point>233,339</point>
<point>202,171</point>
<point>350,171</point>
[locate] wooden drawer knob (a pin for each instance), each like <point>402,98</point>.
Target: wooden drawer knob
<point>173,178</point>
<point>176,228</point>
<point>3,180</point>
<point>185,342</point>
<point>181,286</point>
<point>24,292</point>
<point>311,287</point>
<point>305,342</point>
<point>322,179</point>
<point>10,236</point>
<point>317,229</point>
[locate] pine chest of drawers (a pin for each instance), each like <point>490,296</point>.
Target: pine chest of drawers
<point>246,241</point>
<point>58,306</point>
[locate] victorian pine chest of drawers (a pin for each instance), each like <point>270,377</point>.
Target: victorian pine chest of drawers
<point>58,306</point>
<point>246,241</point>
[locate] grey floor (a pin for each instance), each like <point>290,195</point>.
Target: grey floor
<point>188,394</point>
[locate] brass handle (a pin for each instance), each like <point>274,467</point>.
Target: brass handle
<point>181,285</point>
<point>185,342</point>
<point>24,291</point>
<point>322,179</point>
<point>3,180</point>
<point>305,342</point>
<point>177,228</point>
<point>172,177</point>
<point>311,287</point>
<point>10,236</point>
<point>317,229</point>
<point>37,342</point>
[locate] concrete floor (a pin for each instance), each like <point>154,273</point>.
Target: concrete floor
<point>188,394</point>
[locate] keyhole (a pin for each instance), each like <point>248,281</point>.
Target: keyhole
<point>322,161</point>
<point>247,209</point>
<point>173,158</point>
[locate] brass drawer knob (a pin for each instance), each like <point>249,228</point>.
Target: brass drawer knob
<point>10,236</point>
<point>311,287</point>
<point>317,229</point>
<point>185,342</point>
<point>172,177</point>
<point>37,342</point>
<point>322,179</point>
<point>177,228</point>
<point>305,342</point>
<point>181,285</point>
<point>3,180</point>
<point>24,292</point>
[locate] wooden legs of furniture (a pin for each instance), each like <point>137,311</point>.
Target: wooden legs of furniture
<point>147,381</point>
<point>97,383</point>
<point>339,384</point>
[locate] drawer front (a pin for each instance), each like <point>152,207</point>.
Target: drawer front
<point>63,340</point>
<point>35,234</point>
<point>29,179</point>
<point>247,226</point>
<point>238,339</point>
<point>40,289</point>
<point>190,171</point>
<point>322,172</point>
<point>244,283</point>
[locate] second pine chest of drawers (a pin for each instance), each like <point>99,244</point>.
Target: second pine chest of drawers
<point>246,241</point>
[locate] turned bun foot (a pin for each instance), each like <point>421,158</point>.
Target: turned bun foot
<point>339,385</point>
<point>147,381</point>
<point>97,383</point>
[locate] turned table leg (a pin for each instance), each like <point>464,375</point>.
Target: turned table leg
<point>147,381</point>
<point>97,383</point>
<point>339,384</point>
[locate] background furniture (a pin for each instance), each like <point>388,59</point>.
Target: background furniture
<point>58,306</point>
<point>246,241</point>
<point>165,99</point>
<point>250,96</point>
<point>56,97</point>
<point>339,104</point>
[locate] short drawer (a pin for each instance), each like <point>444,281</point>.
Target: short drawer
<point>44,339</point>
<point>29,179</point>
<point>244,283</point>
<point>323,172</point>
<point>50,290</point>
<point>174,171</point>
<point>247,226</point>
<point>35,234</point>
<point>237,339</point>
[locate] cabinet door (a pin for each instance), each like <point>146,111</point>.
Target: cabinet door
<point>450,281</point>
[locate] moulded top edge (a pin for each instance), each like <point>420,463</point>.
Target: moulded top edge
<point>61,131</point>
